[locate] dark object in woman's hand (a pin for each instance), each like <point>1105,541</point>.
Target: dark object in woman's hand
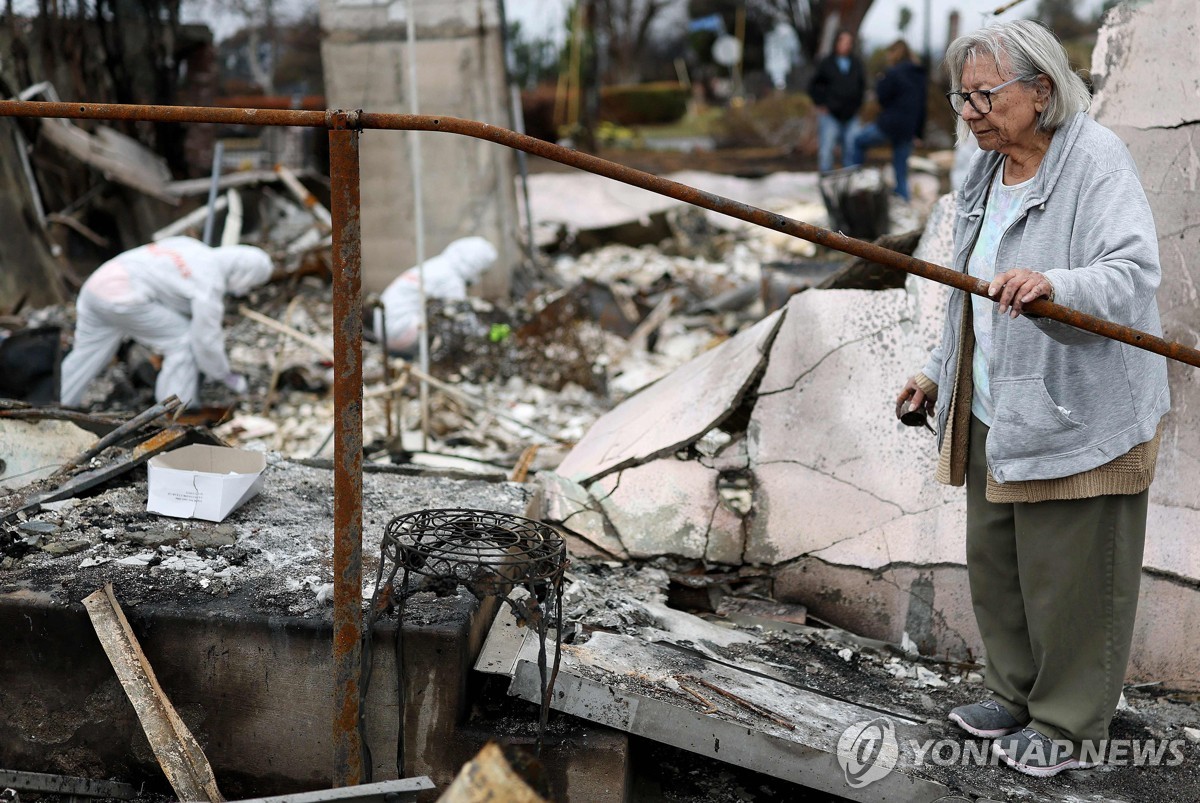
<point>912,417</point>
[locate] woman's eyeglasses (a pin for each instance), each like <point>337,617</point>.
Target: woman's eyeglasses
<point>980,99</point>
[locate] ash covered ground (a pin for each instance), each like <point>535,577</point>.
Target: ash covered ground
<point>273,555</point>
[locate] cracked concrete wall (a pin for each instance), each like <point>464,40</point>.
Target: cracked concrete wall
<point>824,438</point>
<point>674,501</point>
<point>1153,104</point>
<point>467,183</point>
<point>847,507</point>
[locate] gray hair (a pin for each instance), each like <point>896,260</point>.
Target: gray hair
<point>1031,49</point>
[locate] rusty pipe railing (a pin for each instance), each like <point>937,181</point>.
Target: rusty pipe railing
<point>603,167</point>
<point>343,130</point>
<point>347,449</point>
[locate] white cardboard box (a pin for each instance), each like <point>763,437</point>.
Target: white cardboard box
<point>204,482</point>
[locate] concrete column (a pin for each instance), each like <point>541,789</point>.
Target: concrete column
<point>468,183</point>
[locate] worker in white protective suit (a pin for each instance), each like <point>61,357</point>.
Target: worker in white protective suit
<point>446,276</point>
<point>168,296</point>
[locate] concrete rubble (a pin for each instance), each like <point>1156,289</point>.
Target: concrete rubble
<point>700,465</point>
<point>775,696</point>
<point>275,547</point>
<point>760,555</point>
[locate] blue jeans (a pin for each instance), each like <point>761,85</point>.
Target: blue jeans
<point>868,137</point>
<point>832,132</point>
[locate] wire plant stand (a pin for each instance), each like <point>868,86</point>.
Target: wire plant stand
<point>491,555</point>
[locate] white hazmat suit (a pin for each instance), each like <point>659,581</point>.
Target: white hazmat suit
<point>446,276</point>
<point>168,296</point>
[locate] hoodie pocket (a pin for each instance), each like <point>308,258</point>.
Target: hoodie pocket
<point>1029,423</point>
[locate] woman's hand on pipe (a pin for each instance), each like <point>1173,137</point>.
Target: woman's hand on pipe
<point>1015,288</point>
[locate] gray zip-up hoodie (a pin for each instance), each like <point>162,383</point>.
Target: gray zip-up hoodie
<point>1066,401</point>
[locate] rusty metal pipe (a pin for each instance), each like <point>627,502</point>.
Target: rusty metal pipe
<point>347,451</point>
<point>167,114</point>
<point>603,167</point>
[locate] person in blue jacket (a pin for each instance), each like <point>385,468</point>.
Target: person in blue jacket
<point>837,89</point>
<point>901,93</point>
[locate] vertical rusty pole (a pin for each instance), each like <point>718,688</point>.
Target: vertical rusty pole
<point>347,446</point>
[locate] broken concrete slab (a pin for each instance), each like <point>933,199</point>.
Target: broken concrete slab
<point>643,689</point>
<point>799,510</point>
<point>823,426</point>
<point>569,505</point>
<point>660,419</point>
<point>726,534</point>
<point>839,489</point>
<point>923,538</point>
<point>884,677</point>
<point>666,504</point>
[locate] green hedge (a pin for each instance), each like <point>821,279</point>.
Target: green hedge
<point>643,104</point>
<point>779,120</point>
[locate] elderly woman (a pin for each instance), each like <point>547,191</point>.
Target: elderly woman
<point>1054,431</point>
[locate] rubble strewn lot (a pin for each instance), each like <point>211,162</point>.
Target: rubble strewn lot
<point>522,384</point>
<point>516,386</point>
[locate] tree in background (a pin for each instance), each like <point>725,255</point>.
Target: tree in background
<point>298,67</point>
<point>623,31</point>
<point>106,51</point>
<point>533,60</point>
<point>816,21</point>
<point>1061,17</point>
<point>270,55</point>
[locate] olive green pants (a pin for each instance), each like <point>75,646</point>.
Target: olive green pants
<point>1055,589</point>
